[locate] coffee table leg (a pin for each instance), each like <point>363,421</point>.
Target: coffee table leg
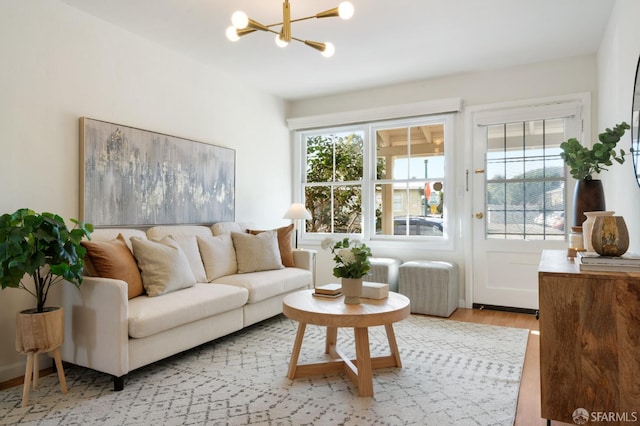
<point>391,337</point>
<point>293,363</point>
<point>363,362</point>
<point>332,339</point>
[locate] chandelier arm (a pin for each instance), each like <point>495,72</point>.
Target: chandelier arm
<point>306,18</point>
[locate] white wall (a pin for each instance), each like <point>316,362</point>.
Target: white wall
<point>548,79</point>
<point>617,61</point>
<point>58,64</point>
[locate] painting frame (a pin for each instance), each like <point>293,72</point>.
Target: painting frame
<point>134,177</point>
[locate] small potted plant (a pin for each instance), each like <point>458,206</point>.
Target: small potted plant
<point>584,162</point>
<point>38,251</point>
<point>352,263</point>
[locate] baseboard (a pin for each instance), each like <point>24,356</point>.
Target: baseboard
<point>482,306</point>
<point>13,374</point>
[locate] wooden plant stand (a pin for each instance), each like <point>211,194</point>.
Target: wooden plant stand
<point>38,333</point>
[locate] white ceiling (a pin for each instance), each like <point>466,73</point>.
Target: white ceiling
<point>386,42</point>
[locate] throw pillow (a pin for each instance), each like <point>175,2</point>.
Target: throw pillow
<point>284,244</point>
<point>163,265</point>
<point>189,245</point>
<point>218,256</point>
<point>257,252</point>
<point>113,259</point>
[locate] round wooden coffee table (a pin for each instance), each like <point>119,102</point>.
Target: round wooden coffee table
<point>334,313</point>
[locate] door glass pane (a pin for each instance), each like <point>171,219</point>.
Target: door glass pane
<point>525,180</point>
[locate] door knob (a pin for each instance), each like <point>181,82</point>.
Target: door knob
<point>479,215</point>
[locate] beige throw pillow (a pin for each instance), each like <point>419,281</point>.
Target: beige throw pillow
<point>284,243</point>
<point>257,252</point>
<point>218,256</point>
<point>163,265</point>
<point>189,245</point>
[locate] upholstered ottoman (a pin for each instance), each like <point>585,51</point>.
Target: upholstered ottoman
<point>384,270</point>
<point>431,286</point>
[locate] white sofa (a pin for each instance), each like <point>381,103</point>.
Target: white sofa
<point>107,332</point>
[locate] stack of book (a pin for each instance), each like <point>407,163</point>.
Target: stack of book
<point>329,290</point>
<point>591,261</point>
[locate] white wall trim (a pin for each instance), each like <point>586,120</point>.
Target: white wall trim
<point>376,114</point>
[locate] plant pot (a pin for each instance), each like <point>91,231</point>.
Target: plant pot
<point>588,196</point>
<point>352,290</point>
<point>39,331</point>
<point>610,236</point>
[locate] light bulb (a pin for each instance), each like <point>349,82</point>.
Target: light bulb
<point>239,19</point>
<point>280,42</point>
<point>232,34</point>
<point>345,10</point>
<point>329,50</point>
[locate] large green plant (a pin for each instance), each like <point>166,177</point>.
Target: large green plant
<point>584,162</point>
<point>40,245</point>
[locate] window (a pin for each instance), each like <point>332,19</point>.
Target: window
<point>380,180</point>
<point>525,180</point>
<point>333,189</point>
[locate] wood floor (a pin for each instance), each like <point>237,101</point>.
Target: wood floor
<point>529,398</point>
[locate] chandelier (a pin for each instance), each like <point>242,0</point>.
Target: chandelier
<point>243,25</point>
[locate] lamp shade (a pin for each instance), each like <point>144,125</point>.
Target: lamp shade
<point>297,211</point>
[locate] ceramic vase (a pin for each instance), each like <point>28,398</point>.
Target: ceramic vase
<point>352,290</point>
<point>588,196</point>
<point>610,236</point>
<point>587,227</point>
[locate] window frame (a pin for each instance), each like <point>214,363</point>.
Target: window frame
<point>444,242</point>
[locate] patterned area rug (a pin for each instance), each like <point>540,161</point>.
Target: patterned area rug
<point>453,373</point>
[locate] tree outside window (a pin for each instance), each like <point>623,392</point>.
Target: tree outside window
<point>398,190</point>
<point>333,192</point>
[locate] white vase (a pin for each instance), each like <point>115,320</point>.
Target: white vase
<point>587,227</point>
<point>352,290</point>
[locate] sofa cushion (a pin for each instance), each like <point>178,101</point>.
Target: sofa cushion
<point>152,315</point>
<point>284,244</point>
<point>185,235</point>
<point>113,259</point>
<point>177,230</point>
<point>163,265</point>
<point>257,252</point>
<point>222,228</point>
<point>218,256</point>
<point>106,234</point>
<point>265,284</point>
<point>189,246</point>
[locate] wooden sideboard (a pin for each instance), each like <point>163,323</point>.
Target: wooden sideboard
<point>589,341</point>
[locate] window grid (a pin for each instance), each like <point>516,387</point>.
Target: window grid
<point>525,181</point>
<point>361,213</point>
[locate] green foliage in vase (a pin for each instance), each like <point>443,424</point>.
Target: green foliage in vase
<point>40,245</point>
<point>351,257</point>
<point>584,162</point>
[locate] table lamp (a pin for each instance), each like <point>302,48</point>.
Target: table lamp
<point>297,212</point>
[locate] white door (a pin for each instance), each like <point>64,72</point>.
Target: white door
<point>519,199</point>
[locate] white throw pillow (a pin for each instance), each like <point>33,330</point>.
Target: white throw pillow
<point>218,256</point>
<point>163,265</point>
<point>257,252</point>
<point>189,246</point>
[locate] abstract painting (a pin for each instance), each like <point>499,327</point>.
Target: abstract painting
<point>133,177</point>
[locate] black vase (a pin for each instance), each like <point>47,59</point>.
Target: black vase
<point>588,196</point>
